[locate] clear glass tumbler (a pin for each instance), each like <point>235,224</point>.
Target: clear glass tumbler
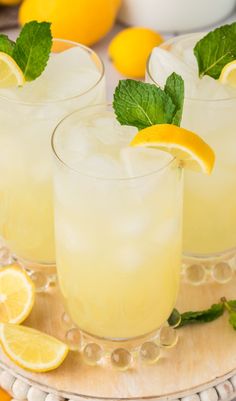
<point>209,202</point>
<point>73,78</point>
<point>118,223</point>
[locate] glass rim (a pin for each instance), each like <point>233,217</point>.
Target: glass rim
<point>93,176</point>
<point>65,99</point>
<point>192,99</point>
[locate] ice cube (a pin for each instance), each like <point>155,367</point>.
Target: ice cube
<point>115,134</point>
<point>166,231</point>
<point>80,141</point>
<point>106,135</point>
<point>69,73</point>
<point>183,48</point>
<point>72,59</point>
<point>134,225</point>
<point>101,165</point>
<point>130,258</point>
<point>140,161</point>
<point>163,63</point>
<point>72,238</point>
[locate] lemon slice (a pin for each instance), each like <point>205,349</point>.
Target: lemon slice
<point>228,74</point>
<point>30,349</point>
<point>16,295</point>
<point>4,396</point>
<point>10,72</point>
<point>188,147</point>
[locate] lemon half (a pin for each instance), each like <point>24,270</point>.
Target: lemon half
<point>17,295</point>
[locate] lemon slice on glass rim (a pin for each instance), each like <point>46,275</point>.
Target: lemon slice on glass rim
<point>193,152</point>
<point>31,349</point>
<point>10,73</point>
<point>228,74</point>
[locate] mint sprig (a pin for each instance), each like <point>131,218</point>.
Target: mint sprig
<point>207,315</point>
<point>141,104</point>
<point>6,45</point>
<point>215,50</point>
<point>32,48</point>
<point>174,87</point>
<point>204,316</point>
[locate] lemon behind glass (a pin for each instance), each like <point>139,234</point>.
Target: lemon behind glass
<point>83,21</point>
<point>130,49</point>
<point>9,2</point>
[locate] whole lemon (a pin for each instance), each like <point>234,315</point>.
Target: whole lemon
<point>130,49</point>
<point>9,2</point>
<point>83,21</point>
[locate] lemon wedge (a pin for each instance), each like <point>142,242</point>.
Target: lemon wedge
<point>186,146</point>
<point>30,349</point>
<point>228,74</point>
<point>16,295</point>
<point>10,72</point>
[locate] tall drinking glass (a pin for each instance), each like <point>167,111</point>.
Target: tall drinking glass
<point>118,213</point>
<point>74,78</point>
<point>209,202</point>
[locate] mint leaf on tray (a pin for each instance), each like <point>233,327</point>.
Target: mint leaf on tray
<point>215,50</point>
<point>6,45</point>
<point>232,319</point>
<point>207,315</point>
<point>141,104</point>
<point>230,306</point>
<point>32,49</point>
<point>204,316</point>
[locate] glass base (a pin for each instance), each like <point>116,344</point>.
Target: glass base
<point>6,258</point>
<point>124,354</point>
<point>203,269</point>
<point>43,275</point>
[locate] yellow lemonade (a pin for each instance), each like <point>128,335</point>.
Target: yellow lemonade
<point>209,110</point>
<point>73,79</point>
<point>118,226</point>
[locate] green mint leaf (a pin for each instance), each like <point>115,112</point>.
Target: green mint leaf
<point>232,305</point>
<point>205,316</point>
<point>141,105</point>
<point>175,318</point>
<point>33,48</point>
<point>232,319</point>
<point>6,45</point>
<point>215,50</point>
<point>174,87</point>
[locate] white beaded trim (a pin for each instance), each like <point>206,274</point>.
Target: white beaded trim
<point>22,391</point>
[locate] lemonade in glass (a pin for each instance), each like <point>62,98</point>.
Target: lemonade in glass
<point>209,202</point>
<point>73,78</point>
<point>118,226</point>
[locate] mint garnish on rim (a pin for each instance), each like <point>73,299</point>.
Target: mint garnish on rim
<point>6,45</point>
<point>141,104</point>
<point>32,48</point>
<point>215,50</point>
